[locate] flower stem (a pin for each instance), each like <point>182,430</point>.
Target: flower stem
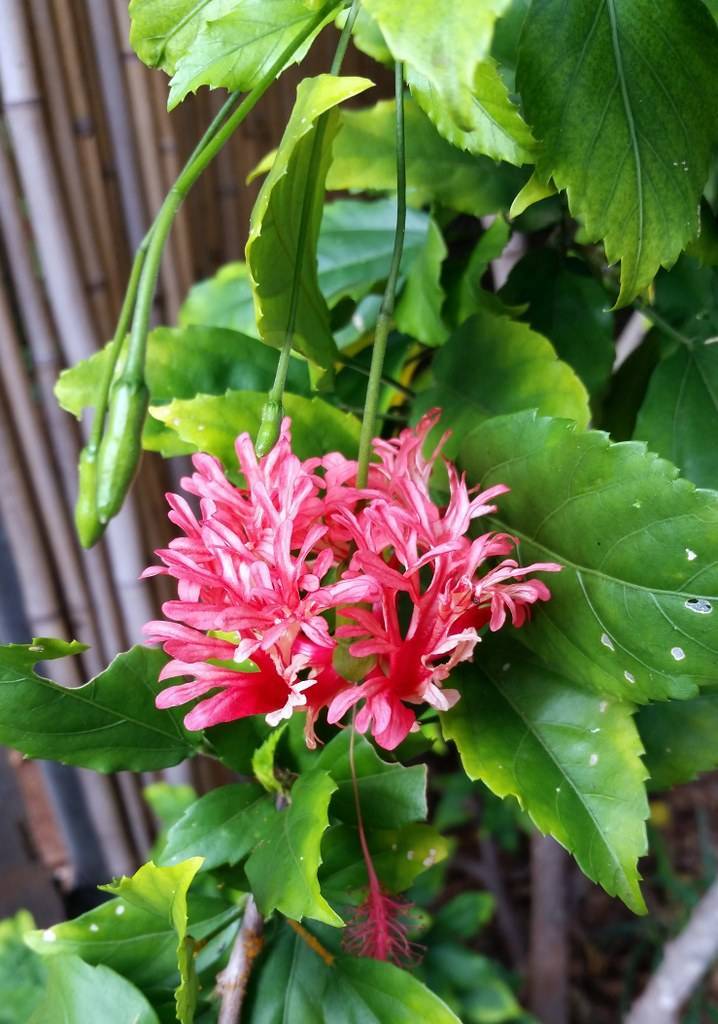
<point>126,404</point>
<point>272,412</point>
<point>386,312</point>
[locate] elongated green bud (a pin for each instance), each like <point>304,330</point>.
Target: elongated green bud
<point>121,445</point>
<point>87,523</point>
<point>269,426</point>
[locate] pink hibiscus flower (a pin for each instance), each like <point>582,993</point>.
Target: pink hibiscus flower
<point>264,568</point>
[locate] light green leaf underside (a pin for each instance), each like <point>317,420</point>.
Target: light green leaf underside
<point>621,99</point>
<point>233,50</point>
<point>280,245</point>
<point>493,365</point>
<point>364,160</point>
<point>572,760</point>
<point>632,613</point>
<point>445,49</point>
<point>282,869</point>
<point>110,724</point>
<point>679,417</point>
<point>162,891</point>
<point>211,423</point>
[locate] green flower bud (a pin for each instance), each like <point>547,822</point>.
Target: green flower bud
<point>88,526</point>
<point>121,445</point>
<point>269,426</point>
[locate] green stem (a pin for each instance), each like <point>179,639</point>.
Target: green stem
<point>663,325</point>
<point>195,167</point>
<point>280,379</point>
<point>386,312</point>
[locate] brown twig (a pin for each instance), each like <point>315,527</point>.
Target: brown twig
<point>685,961</point>
<point>548,957</point>
<point>232,981</point>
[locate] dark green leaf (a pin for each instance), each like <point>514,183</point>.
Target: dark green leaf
<point>222,827</point>
<point>110,724</point>
<point>569,307</point>
<point>680,739</point>
<point>391,795</point>
<point>162,892</point>
<point>211,423</point>
<point>468,297</point>
<point>293,841</point>
<point>572,760</point>
<point>639,547</point>
<point>365,160</point>
<point>471,982</point>
<point>619,98</point>
<point>279,242</point>
<point>224,300</point>
<point>679,417</point>
<point>446,53</point>
<point>77,993</point>
<point>515,369</point>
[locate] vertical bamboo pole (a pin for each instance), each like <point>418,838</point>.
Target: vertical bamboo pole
<point>63,128</point>
<point>29,135</point>
<point>64,436</point>
<point>86,143</point>
<point>42,606</point>
<point>102,24</point>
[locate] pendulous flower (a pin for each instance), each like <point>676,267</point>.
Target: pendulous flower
<point>277,577</point>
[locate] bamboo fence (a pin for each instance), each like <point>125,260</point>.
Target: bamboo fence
<point>87,151</point>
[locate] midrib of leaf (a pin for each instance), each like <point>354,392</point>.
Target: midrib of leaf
<point>595,572</point>
<point>75,692</point>
<point>610,4</point>
<point>197,9</point>
<point>534,732</point>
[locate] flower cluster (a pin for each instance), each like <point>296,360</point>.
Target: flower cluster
<point>301,591</point>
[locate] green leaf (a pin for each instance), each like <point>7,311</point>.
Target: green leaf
<point>293,841</point>
<point>110,724</point>
<point>471,982</point>
<point>446,53</point>
<point>619,99</point>
<point>233,50</point>
<point>516,369</point>
<point>468,296</point>
<point>679,739</point>
<point>369,990</point>
<point>399,856</point>
<point>572,760</point>
<point>296,984</point>
<point>136,943</point>
<point>162,891</point>
<point>569,307</point>
<point>278,240</point>
<point>222,827</point>
<point>224,300</point>
<point>22,975</point>
<point>391,795</point>
<point>211,423</point>
<point>679,417</point>
<point>263,761</point>
<point>356,242</point>
<point>77,993</point>
<point>365,160</point>
<point>181,363</point>
<point>161,32</point>
<point>639,547</point>
<point>418,311</point>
